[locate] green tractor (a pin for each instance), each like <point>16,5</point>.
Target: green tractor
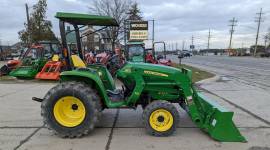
<point>136,51</point>
<point>32,62</point>
<point>74,106</point>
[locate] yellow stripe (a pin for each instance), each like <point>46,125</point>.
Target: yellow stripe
<point>155,73</point>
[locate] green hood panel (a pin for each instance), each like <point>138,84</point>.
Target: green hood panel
<point>157,70</point>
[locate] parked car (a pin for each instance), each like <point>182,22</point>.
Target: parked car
<point>186,53</point>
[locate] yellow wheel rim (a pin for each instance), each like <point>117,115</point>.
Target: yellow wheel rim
<point>69,111</point>
<point>161,120</point>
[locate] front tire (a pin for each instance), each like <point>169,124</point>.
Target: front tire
<point>71,109</point>
<point>160,118</point>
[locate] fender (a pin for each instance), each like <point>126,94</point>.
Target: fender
<point>89,77</point>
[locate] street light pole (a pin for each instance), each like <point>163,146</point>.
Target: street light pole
<point>258,30</point>
<point>265,42</point>
<point>183,45</point>
<point>153,30</point>
<point>233,21</point>
<point>208,42</point>
<point>28,23</point>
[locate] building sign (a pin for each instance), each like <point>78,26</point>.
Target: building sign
<point>138,30</point>
<point>139,25</point>
<point>138,35</point>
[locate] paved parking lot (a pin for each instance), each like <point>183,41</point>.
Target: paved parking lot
<point>21,127</point>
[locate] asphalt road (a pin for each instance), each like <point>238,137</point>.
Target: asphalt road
<point>254,71</point>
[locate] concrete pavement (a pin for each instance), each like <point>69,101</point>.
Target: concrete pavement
<point>21,127</point>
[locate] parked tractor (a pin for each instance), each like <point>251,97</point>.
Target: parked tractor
<point>74,106</point>
<point>32,62</point>
<point>162,58</point>
<point>135,52</point>
<point>138,53</point>
<point>38,51</point>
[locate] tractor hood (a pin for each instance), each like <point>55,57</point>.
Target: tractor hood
<point>156,70</point>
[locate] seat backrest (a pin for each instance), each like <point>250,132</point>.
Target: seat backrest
<point>77,61</point>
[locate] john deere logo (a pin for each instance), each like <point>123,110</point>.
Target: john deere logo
<point>155,73</point>
<point>128,70</point>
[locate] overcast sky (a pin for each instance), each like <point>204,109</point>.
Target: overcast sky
<point>176,20</point>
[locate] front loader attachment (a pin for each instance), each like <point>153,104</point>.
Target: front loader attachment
<point>51,71</point>
<point>24,72</point>
<point>213,119</point>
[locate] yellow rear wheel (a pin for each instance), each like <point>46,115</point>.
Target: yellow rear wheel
<point>69,111</point>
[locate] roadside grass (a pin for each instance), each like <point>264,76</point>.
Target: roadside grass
<point>197,74</point>
<point>6,78</point>
<point>10,79</point>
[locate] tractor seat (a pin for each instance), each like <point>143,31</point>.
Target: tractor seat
<point>115,95</point>
<point>114,92</point>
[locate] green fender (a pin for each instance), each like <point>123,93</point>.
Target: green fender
<point>88,78</point>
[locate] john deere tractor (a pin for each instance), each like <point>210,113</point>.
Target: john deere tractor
<point>74,106</point>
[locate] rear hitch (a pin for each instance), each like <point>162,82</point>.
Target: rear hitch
<point>37,99</point>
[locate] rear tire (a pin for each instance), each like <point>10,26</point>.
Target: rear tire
<point>160,118</point>
<point>71,109</point>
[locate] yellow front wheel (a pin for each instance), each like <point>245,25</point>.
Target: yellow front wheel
<point>160,118</point>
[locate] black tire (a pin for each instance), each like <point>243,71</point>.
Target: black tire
<point>85,94</point>
<point>155,105</point>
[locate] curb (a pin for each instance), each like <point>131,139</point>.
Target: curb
<point>213,79</point>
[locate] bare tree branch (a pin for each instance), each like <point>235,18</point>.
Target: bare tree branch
<point>114,8</point>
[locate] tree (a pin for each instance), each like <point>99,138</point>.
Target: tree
<point>134,12</point>
<point>268,38</point>
<point>114,8</point>
<point>39,29</point>
<point>260,48</point>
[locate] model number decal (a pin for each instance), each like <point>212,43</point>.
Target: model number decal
<point>155,73</point>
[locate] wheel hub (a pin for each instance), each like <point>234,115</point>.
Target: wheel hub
<point>160,118</point>
<point>74,107</point>
<point>69,111</point>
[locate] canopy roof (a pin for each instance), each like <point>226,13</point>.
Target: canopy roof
<point>86,19</point>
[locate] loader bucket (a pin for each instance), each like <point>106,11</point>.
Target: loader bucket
<point>215,120</point>
<point>24,72</point>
